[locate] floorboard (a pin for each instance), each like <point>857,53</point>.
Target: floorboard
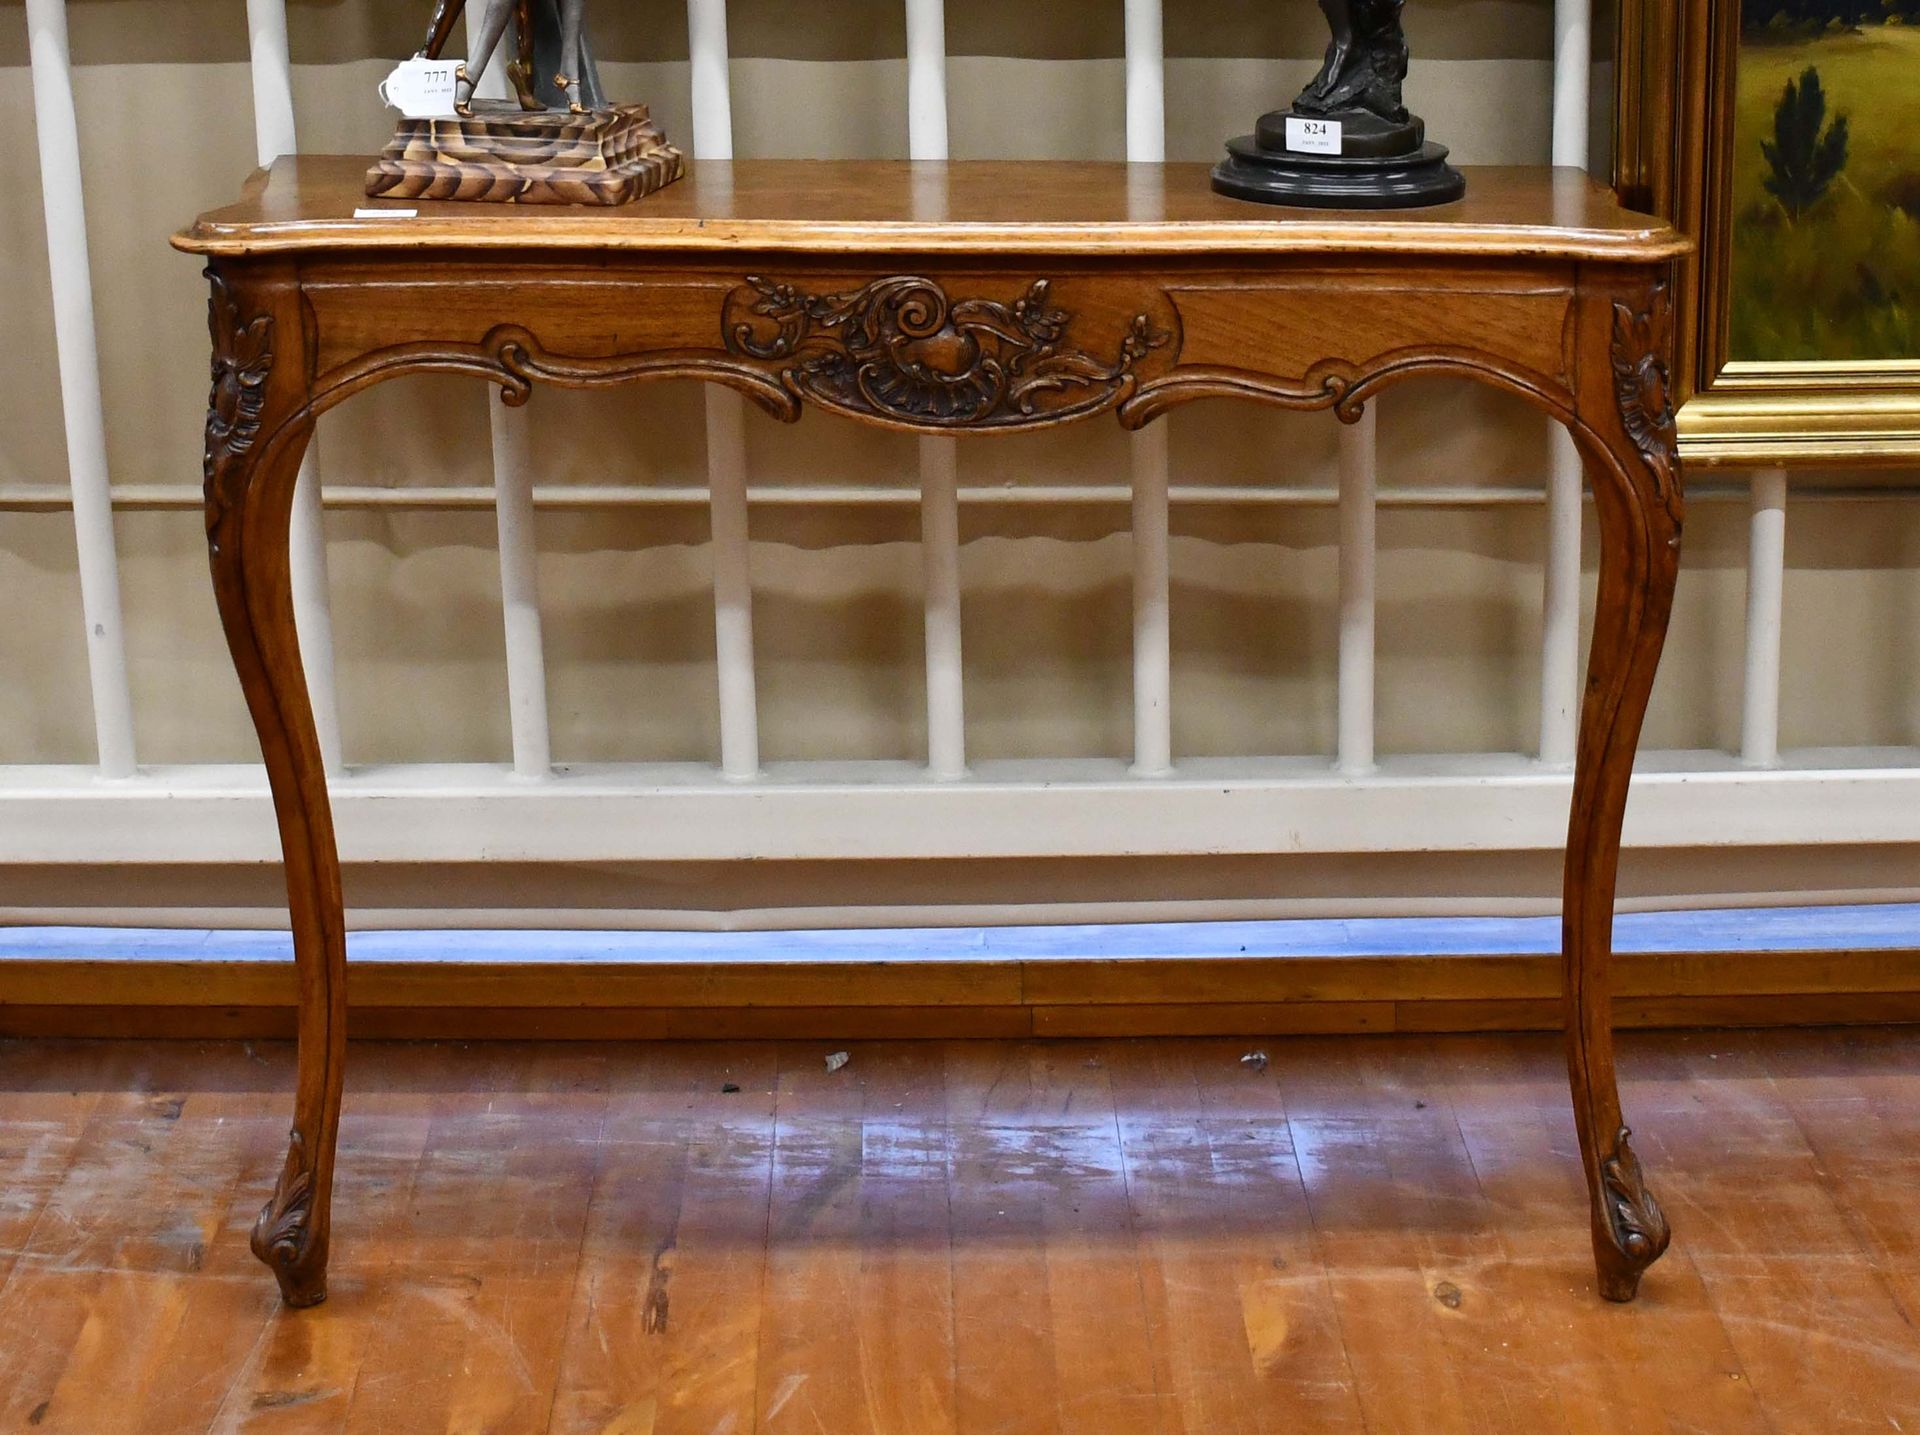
<point>1170,1237</point>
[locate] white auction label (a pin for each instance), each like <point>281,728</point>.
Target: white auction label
<point>422,89</point>
<point>1313,136</point>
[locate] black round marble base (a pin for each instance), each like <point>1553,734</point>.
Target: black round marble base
<point>1328,181</point>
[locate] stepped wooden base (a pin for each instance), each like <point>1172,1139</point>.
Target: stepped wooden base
<point>506,155</point>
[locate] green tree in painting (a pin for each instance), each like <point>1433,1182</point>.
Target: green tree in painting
<point>1804,161</point>
<point>1825,207</point>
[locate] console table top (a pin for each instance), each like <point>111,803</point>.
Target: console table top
<point>307,203</point>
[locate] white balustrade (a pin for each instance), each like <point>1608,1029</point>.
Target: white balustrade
<point>948,806</point>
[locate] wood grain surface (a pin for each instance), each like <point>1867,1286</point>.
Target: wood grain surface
<point>1056,208</point>
<point>1113,1237</point>
<point>502,154</point>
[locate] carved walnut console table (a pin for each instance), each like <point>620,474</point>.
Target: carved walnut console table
<point>964,299</point>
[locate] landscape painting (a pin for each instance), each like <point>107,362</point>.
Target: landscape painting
<point>1825,262</point>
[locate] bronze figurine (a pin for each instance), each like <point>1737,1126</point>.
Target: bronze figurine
<point>1366,61</point>
<point>1347,141</point>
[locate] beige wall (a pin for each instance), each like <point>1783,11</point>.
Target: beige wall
<point>167,130</point>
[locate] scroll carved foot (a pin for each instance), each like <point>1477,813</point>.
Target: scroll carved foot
<point>287,1238</point>
<point>1636,1227</point>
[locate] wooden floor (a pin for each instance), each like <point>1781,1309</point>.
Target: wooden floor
<point>1370,1234</point>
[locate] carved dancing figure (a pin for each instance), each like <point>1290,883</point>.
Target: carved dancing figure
<point>553,65</point>
<point>564,143</point>
<point>1366,63</point>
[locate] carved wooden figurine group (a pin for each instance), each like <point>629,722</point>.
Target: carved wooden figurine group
<point>551,68</point>
<point>563,143</point>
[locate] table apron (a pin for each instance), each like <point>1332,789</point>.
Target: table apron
<point>939,345</point>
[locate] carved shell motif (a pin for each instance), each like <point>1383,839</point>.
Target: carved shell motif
<point>900,350</point>
<point>1643,384</point>
<point>242,361</point>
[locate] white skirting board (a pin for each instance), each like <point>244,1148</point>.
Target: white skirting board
<point>895,810</point>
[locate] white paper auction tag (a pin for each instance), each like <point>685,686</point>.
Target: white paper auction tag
<point>421,89</point>
<point>1313,136</point>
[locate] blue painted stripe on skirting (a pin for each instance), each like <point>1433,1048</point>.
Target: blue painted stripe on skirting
<point>1877,927</point>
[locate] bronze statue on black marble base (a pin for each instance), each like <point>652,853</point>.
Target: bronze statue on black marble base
<point>1348,141</point>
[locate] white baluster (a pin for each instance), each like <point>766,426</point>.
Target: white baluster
<point>1560,625</point>
<point>1560,604</point>
<point>732,584</point>
<point>1151,456</point>
<point>1572,80</point>
<point>1152,606</point>
<point>712,81</point>
<point>1358,554</point>
<point>520,592</point>
<point>940,550</point>
<point>272,66</point>
<point>927,79</point>
<point>1146,83</point>
<point>274,135</point>
<point>1766,585</point>
<point>726,434</point>
<point>58,129</point>
<point>517,536</point>
<point>939,457</point>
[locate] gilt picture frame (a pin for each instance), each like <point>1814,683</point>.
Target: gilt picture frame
<point>1770,133</point>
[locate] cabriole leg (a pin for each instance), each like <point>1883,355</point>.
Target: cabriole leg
<point>258,425</point>
<point>1633,467</point>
